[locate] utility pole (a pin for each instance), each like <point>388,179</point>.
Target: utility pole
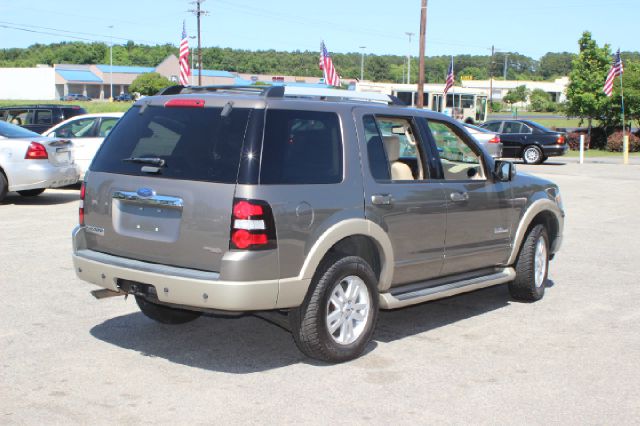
<point>409,58</point>
<point>493,50</point>
<point>111,64</point>
<point>191,54</point>
<point>199,12</point>
<point>362,63</point>
<point>506,56</point>
<point>423,32</point>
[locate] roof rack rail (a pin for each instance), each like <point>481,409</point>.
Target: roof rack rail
<point>284,91</point>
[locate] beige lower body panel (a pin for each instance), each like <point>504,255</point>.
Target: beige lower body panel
<point>218,294</point>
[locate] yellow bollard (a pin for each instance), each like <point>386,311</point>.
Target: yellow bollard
<point>625,149</point>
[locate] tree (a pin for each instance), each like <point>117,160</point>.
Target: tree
<point>149,83</point>
<point>519,94</point>
<point>556,64</point>
<point>585,98</point>
<point>539,100</point>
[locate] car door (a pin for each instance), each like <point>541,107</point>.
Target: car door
<point>514,137</point>
<point>478,206</point>
<point>400,195</point>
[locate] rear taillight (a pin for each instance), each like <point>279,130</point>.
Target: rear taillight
<point>81,209</point>
<point>36,151</point>
<point>252,226</point>
<point>495,139</point>
<point>560,140</point>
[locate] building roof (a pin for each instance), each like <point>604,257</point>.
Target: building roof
<point>213,73</point>
<point>125,69</point>
<point>78,75</point>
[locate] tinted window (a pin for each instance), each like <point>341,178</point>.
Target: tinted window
<point>196,143</point>
<point>19,117</point>
<point>43,116</point>
<point>494,127</point>
<point>511,127</point>
<point>301,147</point>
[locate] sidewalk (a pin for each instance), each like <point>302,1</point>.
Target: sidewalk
<point>633,160</point>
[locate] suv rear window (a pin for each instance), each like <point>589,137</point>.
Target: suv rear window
<point>301,147</point>
<point>196,143</point>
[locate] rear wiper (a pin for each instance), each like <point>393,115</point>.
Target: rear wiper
<point>159,162</point>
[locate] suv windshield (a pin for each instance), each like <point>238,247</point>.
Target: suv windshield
<point>193,143</point>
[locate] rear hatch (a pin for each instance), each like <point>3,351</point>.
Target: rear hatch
<point>161,187</point>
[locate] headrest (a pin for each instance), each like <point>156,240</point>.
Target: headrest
<point>392,146</point>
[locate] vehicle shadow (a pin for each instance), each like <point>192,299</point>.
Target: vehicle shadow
<point>47,198</point>
<point>249,344</point>
<point>546,163</point>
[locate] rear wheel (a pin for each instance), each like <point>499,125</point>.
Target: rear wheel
<point>31,192</point>
<point>532,155</point>
<point>337,319</point>
<point>4,186</point>
<point>532,266</point>
<point>165,314</point>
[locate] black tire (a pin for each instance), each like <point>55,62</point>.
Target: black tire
<point>524,287</point>
<point>165,314</point>
<point>31,192</point>
<point>4,186</point>
<point>309,323</point>
<point>531,154</point>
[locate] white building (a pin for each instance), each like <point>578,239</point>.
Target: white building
<point>557,89</point>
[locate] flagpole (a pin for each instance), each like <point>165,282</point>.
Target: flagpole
<point>625,137</point>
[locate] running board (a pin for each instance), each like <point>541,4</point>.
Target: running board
<point>399,300</point>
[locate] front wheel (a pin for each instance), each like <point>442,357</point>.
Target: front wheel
<point>532,155</point>
<point>532,266</point>
<point>337,319</point>
<point>4,186</point>
<point>31,192</point>
<point>165,314</point>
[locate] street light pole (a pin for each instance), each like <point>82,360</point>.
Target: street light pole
<point>199,12</point>
<point>111,64</point>
<point>409,58</point>
<point>362,63</point>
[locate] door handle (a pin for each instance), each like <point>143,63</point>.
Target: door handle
<point>382,199</point>
<point>459,196</point>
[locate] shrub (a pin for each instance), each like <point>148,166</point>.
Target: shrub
<point>614,142</point>
<point>496,106</point>
<point>573,140</point>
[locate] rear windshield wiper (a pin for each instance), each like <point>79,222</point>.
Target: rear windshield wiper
<point>155,161</point>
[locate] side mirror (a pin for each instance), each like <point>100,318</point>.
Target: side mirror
<point>504,170</point>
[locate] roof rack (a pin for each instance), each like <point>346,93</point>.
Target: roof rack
<point>282,91</point>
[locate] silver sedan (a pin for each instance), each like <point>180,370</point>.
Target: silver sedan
<point>488,139</point>
<point>30,163</point>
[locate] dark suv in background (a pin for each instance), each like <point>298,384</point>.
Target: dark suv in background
<point>323,205</point>
<point>39,118</point>
<point>528,140</point>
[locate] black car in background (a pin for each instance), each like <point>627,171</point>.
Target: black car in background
<point>123,97</point>
<point>528,140</point>
<point>39,118</point>
<point>75,97</point>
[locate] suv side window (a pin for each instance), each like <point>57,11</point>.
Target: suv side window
<point>301,147</point>
<point>43,116</point>
<point>392,149</point>
<point>459,161</point>
<point>19,117</point>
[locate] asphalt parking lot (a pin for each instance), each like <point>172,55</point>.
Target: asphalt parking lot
<point>572,358</point>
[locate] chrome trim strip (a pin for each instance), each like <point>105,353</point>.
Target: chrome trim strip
<point>154,200</point>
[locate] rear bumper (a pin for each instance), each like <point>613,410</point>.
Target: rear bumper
<point>42,174</point>
<point>555,150</point>
<point>186,287</point>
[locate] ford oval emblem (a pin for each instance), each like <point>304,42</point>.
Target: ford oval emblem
<point>145,192</point>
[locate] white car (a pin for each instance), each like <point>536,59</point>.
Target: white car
<point>87,132</point>
<point>30,163</point>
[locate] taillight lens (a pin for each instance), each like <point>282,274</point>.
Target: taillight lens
<point>36,151</point>
<point>495,139</point>
<point>252,226</point>
<point>560,140</point>
<point>81,209</point>
<point>184,103</point>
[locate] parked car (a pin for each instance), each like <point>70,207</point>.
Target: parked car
<point>75,97</point>
<point>123,97</point>
<point>326,205</point>
<point>488,139</point>
<point>528,140</point>
<point>86,131</point>
<point>30,163</point>
<point>39,118</point>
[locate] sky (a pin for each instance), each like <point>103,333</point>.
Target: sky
<point>532,28</point>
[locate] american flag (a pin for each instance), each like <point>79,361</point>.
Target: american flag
<point>616,70</point>
<point>331,76</point>
<point>185,70</point>
<point>450,79</point>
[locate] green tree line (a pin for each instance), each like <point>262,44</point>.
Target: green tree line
<point>384,68</point>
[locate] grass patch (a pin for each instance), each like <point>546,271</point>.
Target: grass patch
<point>91,106</point>
<point>599,153</point>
